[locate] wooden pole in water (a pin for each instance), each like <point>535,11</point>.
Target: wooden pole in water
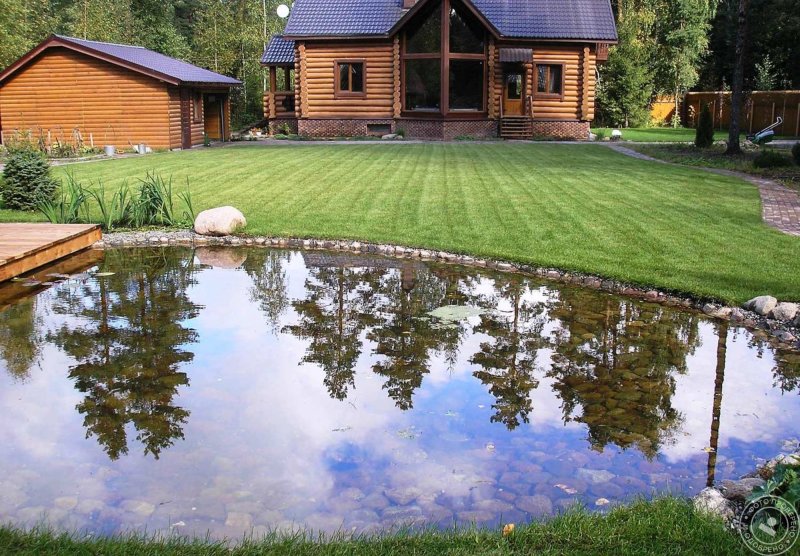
<point>719,379</point>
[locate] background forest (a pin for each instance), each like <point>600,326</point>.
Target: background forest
<point>666,46</point>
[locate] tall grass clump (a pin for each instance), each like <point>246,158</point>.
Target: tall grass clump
<point>152,203</point>
<point>68,203</point>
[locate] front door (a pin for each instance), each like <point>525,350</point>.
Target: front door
<point>513,93</point>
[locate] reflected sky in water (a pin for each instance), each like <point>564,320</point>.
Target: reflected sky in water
<point>239,390</point>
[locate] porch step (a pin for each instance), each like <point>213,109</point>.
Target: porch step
<point>516,127</point>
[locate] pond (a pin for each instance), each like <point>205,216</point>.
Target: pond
<point>230,391</point>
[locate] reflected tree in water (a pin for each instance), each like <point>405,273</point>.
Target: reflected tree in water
<point>508,362</point>
<point>20,338</point>
<point>786,372</point>
<point>405,337</point>
<point>616,360</point>
<point>265,267</point>
<point>128,345</point>
<point>338,307</point>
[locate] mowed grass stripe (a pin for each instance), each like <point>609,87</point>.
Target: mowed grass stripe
<point>576,207</point>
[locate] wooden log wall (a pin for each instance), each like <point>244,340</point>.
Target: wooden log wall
<point>568,107</point>
<point>492,98</point>
<point>63,90</point>
<point>318,73</point>
<point>174,117</point>
<point>397,101</point>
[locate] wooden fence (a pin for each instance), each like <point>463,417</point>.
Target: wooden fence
<point>760,109</point>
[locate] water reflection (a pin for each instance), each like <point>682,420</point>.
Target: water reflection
<point>126,337</point>
<point>329,370</point>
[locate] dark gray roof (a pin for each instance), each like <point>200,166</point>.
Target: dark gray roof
<point>590,20</point>
<point>153,61</point>
<point>279,51</point>
<point>516,54</point>
<point>343,17</point>
<point>551,19</point>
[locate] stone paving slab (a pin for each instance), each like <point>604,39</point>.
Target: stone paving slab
<point>780,205</point>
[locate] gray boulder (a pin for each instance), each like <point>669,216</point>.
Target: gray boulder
<point>762,305</point>
<point>222,221</point>
<point>711,501</point>
<point>741,489</point>
<point>785,311</point>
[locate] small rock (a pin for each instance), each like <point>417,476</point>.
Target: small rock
<point>389,137</point>
<point>785,311</point>
<point>221,221</point>
<point>602,502</point>
<point>711,501</point>
<point>737,315</point>
<point>741,489</point>
<point>138,507</point>
<point>761,305</point>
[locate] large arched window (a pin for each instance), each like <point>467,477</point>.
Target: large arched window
<point>444,65</point>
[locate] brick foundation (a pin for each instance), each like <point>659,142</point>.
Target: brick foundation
<point>278,125</point>
<point>547,129</point>
<point>341,128</point>
<point>448,130</point>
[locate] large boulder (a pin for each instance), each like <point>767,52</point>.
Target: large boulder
<point>741,489</point>
<point>711,501</point>
<point>222,221</point>
<point>785,311</point>
<point>763,305</point>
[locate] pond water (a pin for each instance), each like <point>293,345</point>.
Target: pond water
<point>230,391</point>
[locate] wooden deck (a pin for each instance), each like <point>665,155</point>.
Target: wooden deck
<point>25,247</point>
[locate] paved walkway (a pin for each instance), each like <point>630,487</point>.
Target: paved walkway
<point>780,206</point>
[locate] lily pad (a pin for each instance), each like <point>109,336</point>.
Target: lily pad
<point>455,313</point>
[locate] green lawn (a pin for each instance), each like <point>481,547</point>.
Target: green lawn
<point>665,134</point>
<point>576,207</point>
<point>667,526</point>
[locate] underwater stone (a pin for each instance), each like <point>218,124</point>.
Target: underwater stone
<point>66,502</point>
<point>741,489</point>
<point>595,476</point>
<point>403,496</point>
<point>239,520</point>
<point>138,507</point>
<point>536,505</point>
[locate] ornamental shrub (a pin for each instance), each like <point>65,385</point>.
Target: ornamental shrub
<point>771,159</point>
<point>26,179</point>
<point>704,135</point>
<point>796,153</point>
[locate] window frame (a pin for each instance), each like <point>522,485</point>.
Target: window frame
<point>445,56</point>
<point>340,93</point>
<point>197,108</point>
<point>536,92</point>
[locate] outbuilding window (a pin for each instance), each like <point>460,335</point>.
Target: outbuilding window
<point>350,78</point>
<point>197,108</point>
<point>549,80</point>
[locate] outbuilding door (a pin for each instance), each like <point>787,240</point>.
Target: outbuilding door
<point>513,93</point>
<point>186,119</point>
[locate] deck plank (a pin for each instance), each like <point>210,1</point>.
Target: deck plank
<point>25,247</point>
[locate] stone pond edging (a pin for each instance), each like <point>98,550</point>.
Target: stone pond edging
<point>784,334</point>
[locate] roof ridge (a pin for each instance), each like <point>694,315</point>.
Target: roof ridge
<point>108,43</point>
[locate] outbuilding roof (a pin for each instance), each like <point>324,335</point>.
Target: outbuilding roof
<point>136,58</point>
<point>590,20</point>
<point>280,52</point>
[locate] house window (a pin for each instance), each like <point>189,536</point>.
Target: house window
<point>350,78</point>
<point>549,80</point>
<point>197,108</point>
<point>445,79</point>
